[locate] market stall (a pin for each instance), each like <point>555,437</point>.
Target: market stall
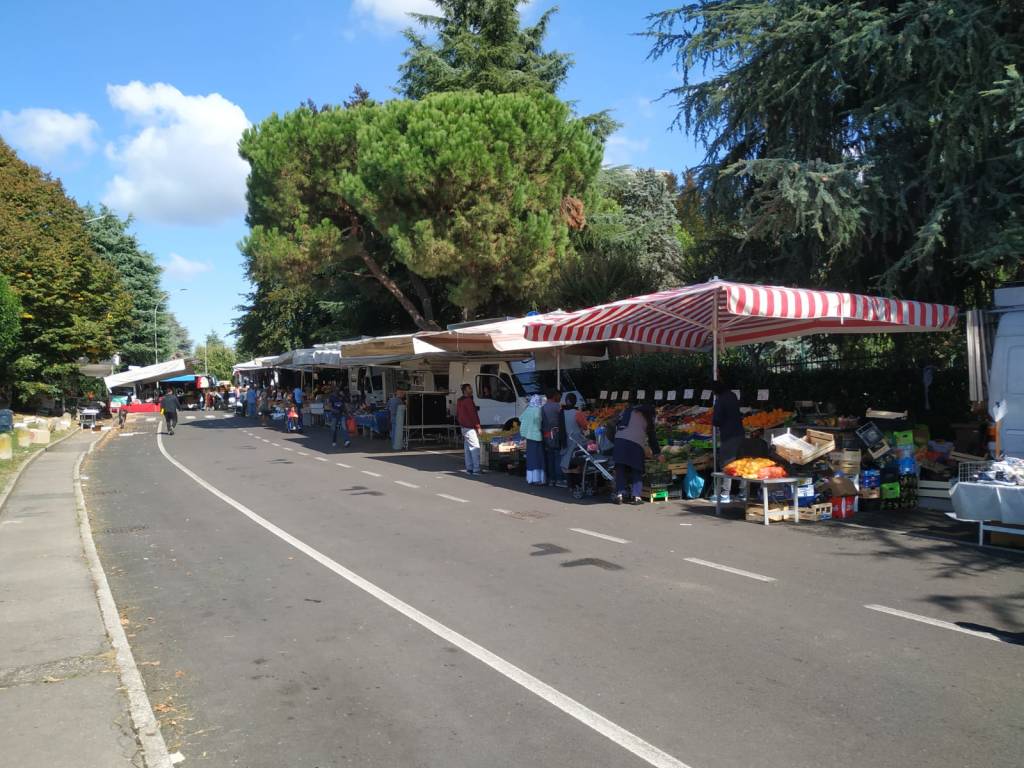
<point>880,451</point>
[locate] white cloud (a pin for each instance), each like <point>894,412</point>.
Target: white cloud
<point>185,269</point>
<point>394,11</point>
<point>47,133</point>
<point>622,150</point>
<point>182,164</point>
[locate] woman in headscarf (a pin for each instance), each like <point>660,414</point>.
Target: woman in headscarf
<point>530,429</point>
<point>633,434</point>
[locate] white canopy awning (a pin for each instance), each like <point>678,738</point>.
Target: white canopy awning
<point>150,373</point>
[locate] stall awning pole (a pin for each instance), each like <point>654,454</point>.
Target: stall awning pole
<point>714,374</point>
<point>558,369</point>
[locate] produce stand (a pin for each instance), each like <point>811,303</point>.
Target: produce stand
<point>766,485</point>
<point>992,495</point>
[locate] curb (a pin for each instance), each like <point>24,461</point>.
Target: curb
<point>147,729</point>
<point>14,480</point>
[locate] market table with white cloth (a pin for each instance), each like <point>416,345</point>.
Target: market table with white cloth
<point>986,503</point>
<point>766,484</point>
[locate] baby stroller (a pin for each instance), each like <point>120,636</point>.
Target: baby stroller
<point>592,469</point>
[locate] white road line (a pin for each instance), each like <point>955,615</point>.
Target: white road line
<point>290,449</point>
<point>276,445</point>
<point>453,498</point>
<point>405,484</point>
<point>151,418</point>
<point>728,569</point>
<point>604,536</point>
<point>264,440</point>
<point>320,458</point>
<point>686,523</point>
<point>303,453</point>
<point>503,511</point>
<point>368,472</point>
<point>211,417</point>
<point>934,622</point>
<point>344,466</point>
<point>611,731</point>
<point>190,418</point>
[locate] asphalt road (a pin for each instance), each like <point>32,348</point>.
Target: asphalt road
<point>345,607</point>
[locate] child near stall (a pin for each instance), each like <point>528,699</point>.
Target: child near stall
<point>292,423</point>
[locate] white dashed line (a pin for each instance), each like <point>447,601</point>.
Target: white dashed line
<point>728,569</point>
<point>190,418</point>
<point>502,511</point>
<point>686,523</point>
<point>264,440</point>
<point>453,498</point>
<point>320,458</point>
<point>276,445</point>
<point>290,449</point>
<point>151,418</point>
<point>344,466</point>
<point>615,733</point>
<point>211,417</point>
<point>934,622</point>
<point>368,472</point>
<point>604,536</point>
<point>303,453</point>
<point>405,484</point>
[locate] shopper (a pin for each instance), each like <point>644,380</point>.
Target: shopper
<point>170,405</point>
<point>250,402</point>
<point>298,397</point>
<point>574,427</point>
<point>530,431</point>
<point>467,416</point>
<point>336,402</point>
<point>727,418</point>
<point>554,438</point>
<point>633,435</point>
<point>393,403</point>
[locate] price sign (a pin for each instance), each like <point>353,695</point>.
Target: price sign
<point>604,394</point>
<point>705,394</point>
<point>762,394</point>
<point>641,394</point>
<point>671,394</point>
<point>659,394</point>
<point>615,395</point>
<point>625,395</point>
<point>688,394</point>
<point>737,393</point>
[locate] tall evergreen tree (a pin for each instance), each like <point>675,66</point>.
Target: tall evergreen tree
<point>10,329</point>
<point>140,275</point>
<point>73,302</point>
<point>875,144</point>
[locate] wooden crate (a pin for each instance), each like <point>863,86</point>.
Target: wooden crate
<point>776,514</point>
<point>813,445</point>
<point>816,512</point>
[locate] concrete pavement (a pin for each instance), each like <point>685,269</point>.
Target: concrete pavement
<point>270,657</point>
<point>60,698</point>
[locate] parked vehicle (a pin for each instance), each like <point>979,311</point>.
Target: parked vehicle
<point>1006,377</point>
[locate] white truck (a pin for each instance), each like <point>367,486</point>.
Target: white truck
<point>501,388</point>
<point>1006,376</point>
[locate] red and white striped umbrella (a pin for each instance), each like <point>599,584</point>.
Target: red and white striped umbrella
<point>732,314</point>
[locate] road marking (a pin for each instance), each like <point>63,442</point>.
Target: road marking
<point>290,449</point>
<point>344,466</point>
<point>211,417</point>
<point>320,458</point>
<point>407,485</point>
<point>276,445</point>
<point>611,731</point>
<point>190,418</point>
<point>604,536</point>
<point>686,523</point>
<point>303,453</point>
<point>264,440</point>
<point>728,569</point>
<point>453,498</point>
<point>151,418</point>
<point>12,522</point>
<point>503,511</point>
<point>934,622</point>
<point>368,472</point>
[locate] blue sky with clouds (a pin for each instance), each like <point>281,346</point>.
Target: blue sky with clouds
<point>140,105</point>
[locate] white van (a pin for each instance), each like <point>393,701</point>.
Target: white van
<point>1006,378</point>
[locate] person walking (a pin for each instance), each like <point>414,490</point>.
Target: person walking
<point>727,417</point>
<point>554,438</point>
<point>634,434</point>
<point>336,402</point>
<point>170,405</point>
<point>250,402</point>
<point>529,429</point>
<point>467,416</point>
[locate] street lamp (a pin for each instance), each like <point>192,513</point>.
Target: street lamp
<point>156,306</point>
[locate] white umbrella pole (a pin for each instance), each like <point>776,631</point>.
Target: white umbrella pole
<point>714,376</point>
<point>558,369</point>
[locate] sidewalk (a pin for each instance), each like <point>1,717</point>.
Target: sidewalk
<point>60,698</point>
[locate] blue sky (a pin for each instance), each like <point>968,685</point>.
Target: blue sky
<point>140,105</point>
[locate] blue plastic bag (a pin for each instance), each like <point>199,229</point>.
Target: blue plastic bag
<point>694,483</point>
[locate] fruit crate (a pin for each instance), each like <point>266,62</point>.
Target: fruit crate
<point>795,450</point>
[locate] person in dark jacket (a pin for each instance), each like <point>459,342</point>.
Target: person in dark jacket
<point>170,405</point>
<point>727,417</point>
<point>554,439</point>
<point>634,433</point>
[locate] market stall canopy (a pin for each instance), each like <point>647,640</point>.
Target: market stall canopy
<point>720,314</point>
<point>151,373</point>
<point>405,345</point>
<point>256,364</point>
<point>492,337</point>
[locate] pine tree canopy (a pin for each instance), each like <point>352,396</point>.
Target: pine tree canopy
<point>864,145</point>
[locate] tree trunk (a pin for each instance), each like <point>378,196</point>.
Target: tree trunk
<point>424,293</point>
<point>421,322</point>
